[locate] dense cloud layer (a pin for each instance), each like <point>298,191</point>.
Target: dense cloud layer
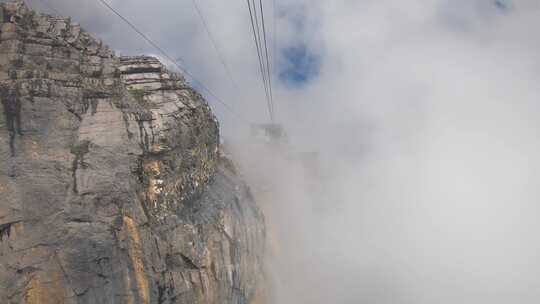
<point>425,114</point>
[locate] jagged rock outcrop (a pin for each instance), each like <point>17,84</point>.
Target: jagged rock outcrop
<point>112,185</point>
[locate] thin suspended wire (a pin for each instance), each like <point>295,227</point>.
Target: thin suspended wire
<point>264,63</point>
<point>269,78</point>
<point>274,33</point>
<point>216,47</point>
<point>274,56</point>
<point>174,62</point>
<point>255,26</point>
<point>259,42</point>
<point>253,19</point>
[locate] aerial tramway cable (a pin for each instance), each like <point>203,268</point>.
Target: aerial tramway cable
<point>259,35</point>
<point>174,62</point>
<point>268,69</point>
<point>216,47</point>
<point>256,32</point>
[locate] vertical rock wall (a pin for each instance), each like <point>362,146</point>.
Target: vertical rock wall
<point>112,187</point>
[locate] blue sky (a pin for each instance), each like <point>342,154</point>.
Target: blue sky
<point>299,59</point>
<point>502,4</point>
<point>299,66</point>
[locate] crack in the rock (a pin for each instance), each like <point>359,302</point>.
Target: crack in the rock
<point>5,230</point>
<point>79,150</point>
<point>12,113</point>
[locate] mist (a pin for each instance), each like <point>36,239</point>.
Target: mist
<point>425,119</point>
<point>424,116</point>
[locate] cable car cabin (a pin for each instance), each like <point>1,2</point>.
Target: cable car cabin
<point>269,133</point>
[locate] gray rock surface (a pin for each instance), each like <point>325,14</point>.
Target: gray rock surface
<point>113,188</point>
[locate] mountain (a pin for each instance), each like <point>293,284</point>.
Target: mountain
<point>113,185</point>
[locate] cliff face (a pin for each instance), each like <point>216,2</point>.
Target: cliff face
<point>112,185</point>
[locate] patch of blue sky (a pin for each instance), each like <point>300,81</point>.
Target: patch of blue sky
<point>502,4</point>
<point>299,66</point>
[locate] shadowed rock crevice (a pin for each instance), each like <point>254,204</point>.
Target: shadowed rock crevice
<point>12,113</point>
<point>79,150</point>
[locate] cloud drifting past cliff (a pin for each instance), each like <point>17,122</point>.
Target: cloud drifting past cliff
<point>426,118</point>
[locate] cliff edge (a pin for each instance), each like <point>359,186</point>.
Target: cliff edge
<point>112,185</point>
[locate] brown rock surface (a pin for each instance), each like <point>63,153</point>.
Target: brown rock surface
<point>112,189</point>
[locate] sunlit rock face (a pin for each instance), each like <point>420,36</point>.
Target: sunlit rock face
<point>112,185</point>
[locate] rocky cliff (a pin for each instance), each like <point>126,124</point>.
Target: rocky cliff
<point>112,185</point>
